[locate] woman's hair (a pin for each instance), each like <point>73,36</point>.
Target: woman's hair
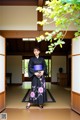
<point>36,48</point>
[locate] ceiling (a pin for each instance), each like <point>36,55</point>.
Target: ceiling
<point>25,48</point>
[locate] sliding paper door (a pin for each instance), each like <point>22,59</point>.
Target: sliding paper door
<point>75,93</point>
<point>2,73</point>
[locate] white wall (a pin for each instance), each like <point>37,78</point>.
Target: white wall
<point>14,66</point>
<point>18,18</point>
<point>52,27</point>
<point>22,18</point>
<point>57,61</point>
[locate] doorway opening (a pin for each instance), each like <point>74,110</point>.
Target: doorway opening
<point>17,52</point>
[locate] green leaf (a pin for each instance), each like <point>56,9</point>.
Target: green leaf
<point>76,38</point>
<point>47,33</point>
<point>63,15</point>
<point>38,39</point>
<point>39,9</point>
<point>77,34</point>
<point>60,45</point>
<point>52,44</point>
<point>49,37</point>
<point>55,38</point>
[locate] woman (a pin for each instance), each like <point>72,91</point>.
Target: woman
<point>37,69</point>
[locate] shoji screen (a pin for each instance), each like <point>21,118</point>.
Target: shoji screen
<point>2,73</point>
<point>75,95</point>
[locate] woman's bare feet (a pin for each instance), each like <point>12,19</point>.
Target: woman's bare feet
<point>41,106</point>
<point>28,105</point>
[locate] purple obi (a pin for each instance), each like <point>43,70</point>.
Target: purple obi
<point>38,67</point>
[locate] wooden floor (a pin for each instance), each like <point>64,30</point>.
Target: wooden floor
<point>41,114</point>
<point>15,95</point>
<point>60,110</point>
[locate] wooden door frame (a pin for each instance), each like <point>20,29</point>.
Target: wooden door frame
<point>22,34</point>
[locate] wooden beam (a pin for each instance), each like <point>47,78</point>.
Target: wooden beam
<point>34,34</point>
<point>30,54</point>
<point>40,2</point>
<point>39,15</point>
<point>26,53</point>
<point>18,2</point>
<point>39,18</point>
<point>19,33</point>
<point>69,34</point>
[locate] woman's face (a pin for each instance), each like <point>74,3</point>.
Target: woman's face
<point>36,52</point>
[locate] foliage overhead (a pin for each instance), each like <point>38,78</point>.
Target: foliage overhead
<point>62,13</point>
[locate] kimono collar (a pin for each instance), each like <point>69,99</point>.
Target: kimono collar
<point>37,57</point>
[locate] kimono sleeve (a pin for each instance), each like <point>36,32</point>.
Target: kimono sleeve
<point>44,67</point>
<point>30,68</point>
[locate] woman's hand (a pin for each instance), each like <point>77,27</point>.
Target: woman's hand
<point>39,74</point>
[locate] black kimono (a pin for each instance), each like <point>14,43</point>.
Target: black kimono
<point>38,89</point>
